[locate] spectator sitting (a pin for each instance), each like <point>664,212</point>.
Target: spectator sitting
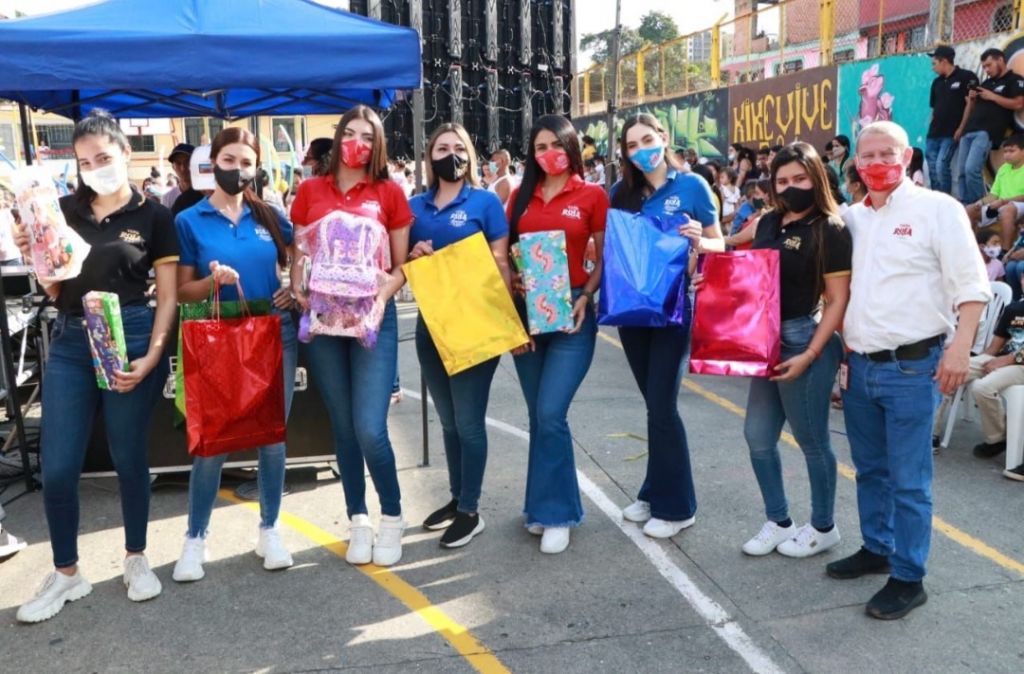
<point>988,246</point>
<point>742,237</point>
<point>746,207</point>
<point>1004,204</point>
<point>1014,264</point>
<point>730,193</point>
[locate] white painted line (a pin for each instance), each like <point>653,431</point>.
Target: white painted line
<point>724,625</point>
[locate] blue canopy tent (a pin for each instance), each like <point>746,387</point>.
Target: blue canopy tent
<point>228,59</point>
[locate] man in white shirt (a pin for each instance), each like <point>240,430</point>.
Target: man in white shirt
<point>917,291</point>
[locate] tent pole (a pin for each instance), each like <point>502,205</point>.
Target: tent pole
<point>26,140</point>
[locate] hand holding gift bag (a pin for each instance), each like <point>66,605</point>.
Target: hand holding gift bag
<point>737,317</point>
<point>234,381</point>
<point>645,264</point>
<point>465,304</point>
<point>542,260</point>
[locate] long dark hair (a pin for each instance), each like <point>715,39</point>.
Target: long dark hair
<point>824,213</point>
<point>263,213</point>
<point>378,168</point>
<point>98,122</point>
<point>532,173</point>
<point>634,188</point>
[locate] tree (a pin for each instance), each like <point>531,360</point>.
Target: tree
<point>601,44</point>
<point>657,27</point>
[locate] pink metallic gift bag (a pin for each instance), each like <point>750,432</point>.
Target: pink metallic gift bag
<point>737,315</point>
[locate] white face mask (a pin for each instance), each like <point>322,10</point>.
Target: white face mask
<point>993,251</point>
<point>107,180</point>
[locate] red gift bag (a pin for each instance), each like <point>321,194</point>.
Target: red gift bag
<point>737,315</point>
<point>234,383</point>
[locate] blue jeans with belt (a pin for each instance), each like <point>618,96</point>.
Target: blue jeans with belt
<point>461,404</point>
<point>206,470</point>
<point>655,356</point>
<point>889,409</point>
<point>549,376</point>
<point>70,401</point>
<point>804,403</point>
<point>355,384</point>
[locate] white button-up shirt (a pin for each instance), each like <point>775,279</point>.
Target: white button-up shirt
<point>915,260</point>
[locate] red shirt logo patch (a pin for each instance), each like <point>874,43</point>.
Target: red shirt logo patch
<point>903,231</point>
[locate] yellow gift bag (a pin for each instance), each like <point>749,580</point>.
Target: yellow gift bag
<point>465,304</point>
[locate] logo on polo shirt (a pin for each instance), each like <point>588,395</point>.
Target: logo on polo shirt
<point>672,204</point>
<point>1000,88</point>
<point>458,218</point>
<point>130,236</point>
<point>572,212</point>
<point>371,206</point>
<point>263,234</point>
<point>903,231</point>
<point>792,243</point>
<point>954,85</point>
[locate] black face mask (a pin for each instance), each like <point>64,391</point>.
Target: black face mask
<point>232,181</point>
<point>758,204</point>
<point>796,199</point>
<point>450,169</point>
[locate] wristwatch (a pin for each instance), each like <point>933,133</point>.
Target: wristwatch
<point>1018,357</point>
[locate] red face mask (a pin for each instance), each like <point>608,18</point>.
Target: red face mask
<point>554,162</point>
<point>355,153</point>
<point>881,177</point>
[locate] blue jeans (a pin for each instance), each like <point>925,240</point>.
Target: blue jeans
<point>205,479</point>
<point>461,404</point>
<point>939,155</point>
<point>70,401</point>
<point>550,375</point>
<point>1014,271</point>
<point>974,149</point>
<point>804,403</point>
<point>355,384</point>
<point>655,356</point>
<point>889,410</point>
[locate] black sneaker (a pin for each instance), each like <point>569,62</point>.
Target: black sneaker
<point>462,530</point>
<point>936,444</point>
<point>858,564</point>
<point>440,519</point>
<point>987,450</point>
<point>1015,473</point>
<point>896,599</point>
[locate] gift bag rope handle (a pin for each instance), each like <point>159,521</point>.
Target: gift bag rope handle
<point>241,300</point>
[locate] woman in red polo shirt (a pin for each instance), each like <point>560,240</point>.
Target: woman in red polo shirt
<point>354,381</point>
<point>554,196</point>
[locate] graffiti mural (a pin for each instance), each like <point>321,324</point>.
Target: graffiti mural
<point>696,121</point>
<point>894,88</point>
<point>781,110</point>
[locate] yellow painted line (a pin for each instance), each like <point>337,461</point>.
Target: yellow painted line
<point>958,536</point>
<point>631,436</point>
<point>462,640</point>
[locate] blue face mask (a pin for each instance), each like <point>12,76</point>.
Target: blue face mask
<point>647,159</point>
<point>493,166</point>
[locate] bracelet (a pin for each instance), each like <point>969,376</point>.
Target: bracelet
<point>813,352</point>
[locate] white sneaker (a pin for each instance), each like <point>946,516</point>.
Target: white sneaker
<point>360,540</point>
<point>140,580</point>
<point>637,511</point>
<point>768,538</point>
<point>535,530</point>
<point>10,544</point>
<point>809,541</point>
<point>387,549</point>
<point>189,566</point>
<point>55,591</point>
<point>554,540</point>
<point>656,528</point>
<point>271,548</point>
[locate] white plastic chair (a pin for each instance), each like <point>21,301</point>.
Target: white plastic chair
<point>1001,296</point>
<point>1014,397</point>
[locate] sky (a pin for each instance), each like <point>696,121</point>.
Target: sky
<point>592,16</point>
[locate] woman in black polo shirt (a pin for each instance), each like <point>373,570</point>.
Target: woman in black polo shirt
<point>815,254</point>
<point>130,236</point>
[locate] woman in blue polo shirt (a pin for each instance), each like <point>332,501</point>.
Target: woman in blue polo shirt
<point>651,184</point>
<point>233,237</point>
<point>456,207</point>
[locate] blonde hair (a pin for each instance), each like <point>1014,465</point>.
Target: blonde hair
<point>471,171</point>
<point>890,130</point>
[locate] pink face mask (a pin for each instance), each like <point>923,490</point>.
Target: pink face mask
<point>355,153</point>
<point>554,162</point>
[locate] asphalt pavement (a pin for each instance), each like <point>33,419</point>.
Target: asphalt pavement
<point>614,602</point>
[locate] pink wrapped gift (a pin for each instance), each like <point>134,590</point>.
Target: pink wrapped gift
<point>737,315</point>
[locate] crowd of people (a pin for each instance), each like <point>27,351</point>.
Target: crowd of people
<point>866,252</point>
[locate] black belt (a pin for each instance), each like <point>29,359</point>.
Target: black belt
<point>915,351</point>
